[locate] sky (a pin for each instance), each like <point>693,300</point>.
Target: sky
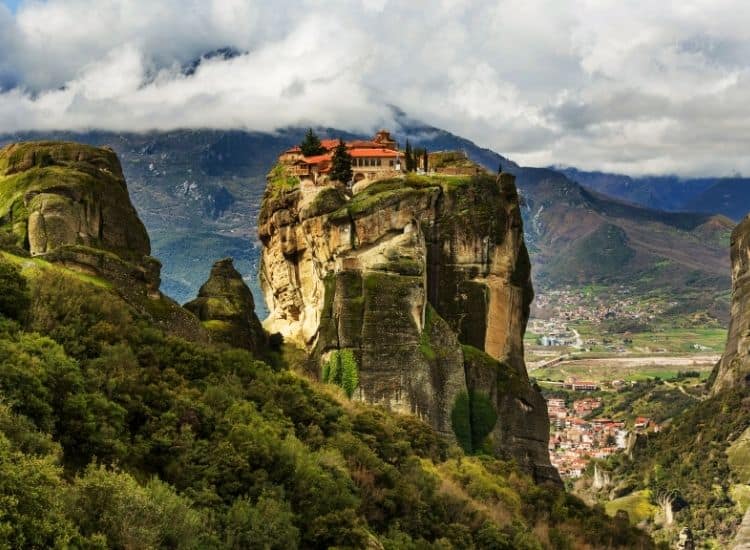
<point>635,87</point>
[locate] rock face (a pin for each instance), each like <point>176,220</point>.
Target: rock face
<point>734,367</point>
<point>68,203</point>
<point>57,194</point>
<point>225,306</point>
<point>427,280</point>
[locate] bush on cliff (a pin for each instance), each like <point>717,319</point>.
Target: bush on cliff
<point>342,369</point>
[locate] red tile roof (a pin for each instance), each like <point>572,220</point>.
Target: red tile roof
<point>317,158</point>
<point>361,152</point>
<point>330,144</point>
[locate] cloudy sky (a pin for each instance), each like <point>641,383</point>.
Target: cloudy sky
<point>636,86</point>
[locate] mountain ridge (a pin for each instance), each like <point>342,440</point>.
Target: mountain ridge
<point>199,169</point>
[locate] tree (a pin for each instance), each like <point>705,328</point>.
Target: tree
<point>341,164</point>
<point>425,161</point>
<point>408,159</point>
<point>311,145</point>
<point>342,369</point>
<point>14,293</point>
<point>664,493</point>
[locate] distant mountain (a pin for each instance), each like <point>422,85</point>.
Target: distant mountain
<point>727,196</point>
<point>199,193</point>
<point>582,237</point>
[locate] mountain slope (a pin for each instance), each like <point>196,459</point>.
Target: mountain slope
<point>727,196</point>
<point>580,237</point>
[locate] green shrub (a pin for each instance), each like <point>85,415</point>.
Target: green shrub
<point>14,292</point>
<point>342,369</point>
<point>473,418</point>
<point>268,524</point>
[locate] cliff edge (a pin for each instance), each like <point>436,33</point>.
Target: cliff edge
<point>415,291</point>
<point>734,367</point>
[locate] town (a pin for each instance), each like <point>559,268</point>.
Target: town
<point>576,438</point>
<point>554,311</point>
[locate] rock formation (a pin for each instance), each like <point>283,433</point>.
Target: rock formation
<point>68,203</point>
<point>225,306</point>
<point>426,279</point>
<point>734,367</point>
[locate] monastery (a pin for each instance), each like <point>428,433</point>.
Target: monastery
<point>371,159</point>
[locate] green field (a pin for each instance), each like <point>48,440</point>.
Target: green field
<point>682,339</point>
<point>601,371</point>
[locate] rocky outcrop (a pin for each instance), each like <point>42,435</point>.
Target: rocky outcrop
<point>226,308</point>
<point>734,367</point>
<point>59,194</point>
<point>68,203</point>
<point>426,279</point>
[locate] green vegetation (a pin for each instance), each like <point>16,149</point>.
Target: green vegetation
<point>473,418</point>
<point>311,145</point>
<point>738,457</point>
<point>596,257</point>
<point>341,164</point>
<point>14,299</point>
<point>327,200</point>
<point>461,421</point>
<point>691,459</point>
<point>741,495</point>
<point>279,181</point>
<point>637,504</point>
<point>115,435</point>
<point>378,195</point>
<point>342,369</point>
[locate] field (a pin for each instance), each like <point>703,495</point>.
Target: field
<point>628,368</point>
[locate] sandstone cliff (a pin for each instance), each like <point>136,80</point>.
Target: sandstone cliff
<point>68,203</point>
<point>426,279</point>
<point>225,306</point>
<point>734,367</point>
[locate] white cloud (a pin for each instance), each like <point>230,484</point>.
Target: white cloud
<point>636,86</point>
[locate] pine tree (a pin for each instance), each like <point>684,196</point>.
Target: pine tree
<point>311,145</point>
<point>341,164</point>
<point>408,160</point>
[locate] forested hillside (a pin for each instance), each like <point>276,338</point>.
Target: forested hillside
<point>114,434</point>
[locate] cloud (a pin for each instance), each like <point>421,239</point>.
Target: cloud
<point>632,87</point>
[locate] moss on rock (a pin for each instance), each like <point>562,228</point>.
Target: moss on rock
<point>54,194</point>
